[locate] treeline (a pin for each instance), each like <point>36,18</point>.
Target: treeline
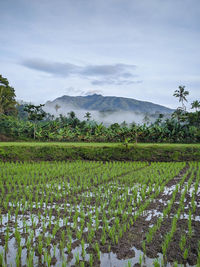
<point>68,129</point>
<point>32,123</point>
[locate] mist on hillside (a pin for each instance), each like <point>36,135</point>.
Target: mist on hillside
<point>105,117</point>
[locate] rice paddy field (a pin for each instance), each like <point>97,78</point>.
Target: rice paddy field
<point>86,213</point>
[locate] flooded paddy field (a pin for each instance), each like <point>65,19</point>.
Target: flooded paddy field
<point>100,214</point>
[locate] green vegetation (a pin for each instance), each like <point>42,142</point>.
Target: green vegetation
<point>181,93</point>
<point>56,209</point>
<point>76,213</point>
<point>35,114</point>
<point>24,151</point>
<point>183,127</point>
<point>7,97</point>
<point>32,123</point>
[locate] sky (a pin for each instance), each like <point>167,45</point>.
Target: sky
<point>142,49</point>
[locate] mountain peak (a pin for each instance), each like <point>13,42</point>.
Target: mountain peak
<point>94,95</point>
<point>112,103</point>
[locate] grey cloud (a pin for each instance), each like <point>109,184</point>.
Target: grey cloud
<point>106,74</point>
<point>115,82</point>
<point>91,92</point>
<point>108,70</point>
<point>73,91</point>
<point>128,75</point>
<point>60,69</point>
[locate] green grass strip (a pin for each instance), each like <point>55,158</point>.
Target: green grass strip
<point>35,151</point>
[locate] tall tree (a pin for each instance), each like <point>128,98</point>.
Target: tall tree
<point>181,93</point>
<point>146,119</point>
<point>57,107</point>
<point>7,98</point>
<point>87,116</point>
<point>179,114</point>
<point>35,113</point>
<point>196,104</point>
<point>72,115</point>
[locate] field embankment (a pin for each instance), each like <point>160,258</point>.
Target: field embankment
<point>24,151</point>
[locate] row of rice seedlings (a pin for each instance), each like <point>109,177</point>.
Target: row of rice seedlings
<point>193,203</point>
<point>16,215</point>
<point>113,235</point>
<point>121,222</point>
<point>31,201</point>
<point>168,237</point>
<point>165,212</point>
<point>112,232</point>
<point>91,231</point>
<point>37,187</point>
<point>76,212</point>
<point>191,209</point>
<point>71,183</point>
<point>198,259</point>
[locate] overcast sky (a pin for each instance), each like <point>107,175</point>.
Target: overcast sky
<point>142,49</point>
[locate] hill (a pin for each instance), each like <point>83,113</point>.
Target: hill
<point>108,103</point>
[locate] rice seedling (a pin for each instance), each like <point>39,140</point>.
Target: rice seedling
<point>69,245</point>
<point>185,254</point>
<point>91,260</point>
<point>156,263</point>
<point>182,242</point>
<point>59,203</point>
<point>140,260</point>
<point>128,264</point>
<point>190,224</point>
<point>77,258</point>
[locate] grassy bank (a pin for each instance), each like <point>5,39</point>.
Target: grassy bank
<point>35,151</point>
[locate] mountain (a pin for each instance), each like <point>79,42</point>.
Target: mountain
<point>107,103</point>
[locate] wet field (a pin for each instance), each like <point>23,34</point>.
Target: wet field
<point>99,214</point>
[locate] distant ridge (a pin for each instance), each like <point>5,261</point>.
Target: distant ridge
<point>108,103</point>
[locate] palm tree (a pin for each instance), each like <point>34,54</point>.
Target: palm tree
<point>181,94</point>
<point>57,107</point>
<point>179,114</point>
<point>72,115</point>
<point>196,104</point>
<point>87,116</point>
<point>146,119</point>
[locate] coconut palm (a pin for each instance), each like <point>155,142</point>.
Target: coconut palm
<point>179,114</point>
<point>181,93</point>
<point>57,107</point>
<point>72,115</point>
<point>87,116</point>
<point>196,104</point>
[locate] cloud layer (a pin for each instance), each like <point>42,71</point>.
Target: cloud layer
<point>131,48</point>
<point>116,74</point>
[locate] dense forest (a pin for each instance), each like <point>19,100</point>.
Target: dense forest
<point>30,122</point>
